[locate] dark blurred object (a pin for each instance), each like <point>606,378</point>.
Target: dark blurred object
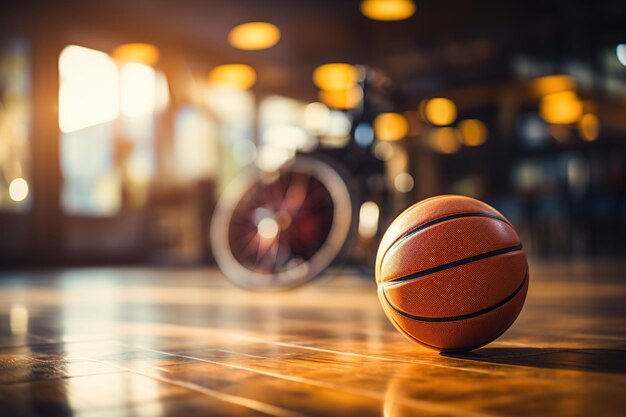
<point>176,224</point>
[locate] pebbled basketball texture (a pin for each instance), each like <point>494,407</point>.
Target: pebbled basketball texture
<point>451,273</point>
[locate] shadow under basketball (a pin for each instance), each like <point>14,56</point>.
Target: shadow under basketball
<point>611,361</point>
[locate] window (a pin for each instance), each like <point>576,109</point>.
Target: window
<point>15,125</point>
<point>107,119</point>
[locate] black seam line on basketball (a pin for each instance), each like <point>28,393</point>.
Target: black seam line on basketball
<point>408,209</point>
<point>437,221</point>
<point>453,264</point>
<point>444,219</point>
<point>463,316</point>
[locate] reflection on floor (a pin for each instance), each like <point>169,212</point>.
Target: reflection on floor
<point>152,342</point>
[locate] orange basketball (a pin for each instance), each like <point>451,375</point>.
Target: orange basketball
<point>451,273</point>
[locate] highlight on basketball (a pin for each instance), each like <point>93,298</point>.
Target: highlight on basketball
<point>314,208</point>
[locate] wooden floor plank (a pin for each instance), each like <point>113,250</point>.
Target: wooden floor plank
<point>135,341</point>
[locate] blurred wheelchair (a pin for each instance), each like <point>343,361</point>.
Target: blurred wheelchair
<point>277,230</point>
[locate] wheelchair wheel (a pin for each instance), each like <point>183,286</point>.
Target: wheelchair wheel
<point>273,231</point>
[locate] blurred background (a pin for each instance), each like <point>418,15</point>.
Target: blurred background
<point>123,122</point>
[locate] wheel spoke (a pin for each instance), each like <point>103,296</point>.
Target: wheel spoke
<point>296,193</point>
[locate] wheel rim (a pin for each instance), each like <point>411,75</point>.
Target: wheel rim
<point>283,229</point>
<point>281,223</point>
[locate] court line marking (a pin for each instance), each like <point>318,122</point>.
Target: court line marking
<point>424,405</point>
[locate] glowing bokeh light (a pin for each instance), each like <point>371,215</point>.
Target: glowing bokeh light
<point>388,10</point>
<point>139,53</point>
<point>339,127</point>
<point>268,228</point>
<point>288,137</point>
<point>390,126</point>
<point>369,214</point>
<point>253,36</point>
<point>364,134</point>
<point>552,84</point>
<point>316,118</point>
<point>335,76</point>
<point>236,76</point>
<point>270,158</point>
<point>473,132</point>
<point>383,151</point>
<point>404,182</point>
<point>620,51</point>
<point>440,111</point>
<point>589,127</point>
<point>561,108</point>
<point>342,99</point>
<point>18,189</point>
<point>444,140</point>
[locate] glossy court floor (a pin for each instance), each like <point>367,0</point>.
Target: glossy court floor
<point>168,342</point>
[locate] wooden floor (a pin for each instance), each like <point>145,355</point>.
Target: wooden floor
<point>167,342</point>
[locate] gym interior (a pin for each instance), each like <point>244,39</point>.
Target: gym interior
<point>197,204</point>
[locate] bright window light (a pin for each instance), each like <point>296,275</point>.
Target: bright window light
<point>88,92</point>
<point>137,89</point>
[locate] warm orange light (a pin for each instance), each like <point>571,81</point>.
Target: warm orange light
<point>388,10</point>
<point>589,127</point>
<point>473,132</point>
<point>552,84</point>
<point>390,126</point>
<point>335,76</point>
<point>139,53</point>
<point>561,108</point>
<point>237,76</point>
<point>444,140</point>
<point>342,99</point>
<point>254,36</point>
<point>440,111</point>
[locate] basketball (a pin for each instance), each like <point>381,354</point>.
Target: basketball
<point>451,273</point>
